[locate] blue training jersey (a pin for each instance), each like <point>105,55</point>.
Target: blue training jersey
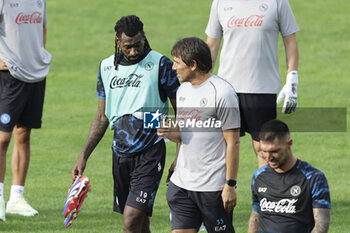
<point>130,137</point>
<point>285,201</point>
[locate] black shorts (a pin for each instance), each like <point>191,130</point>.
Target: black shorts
<point>189,209</point>
<point>20,102</point>
<point>256,109</point>
<point>137,178</point>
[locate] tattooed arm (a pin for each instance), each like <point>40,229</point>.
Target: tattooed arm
<point>322,219</point>
<point>253,222</point>
<point>97,130</point>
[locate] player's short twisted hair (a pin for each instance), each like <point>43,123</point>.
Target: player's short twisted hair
<point>273,129</point>
<point>131,25</point>
<point>193,49</point>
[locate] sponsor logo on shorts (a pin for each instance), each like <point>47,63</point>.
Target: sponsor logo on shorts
<point>5,118</point>
<point>262,189</point>
<point>142,198</point>
<point>221,226</point>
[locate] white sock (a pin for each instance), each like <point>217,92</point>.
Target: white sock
<point>16,192</point>
<point>2,192</point>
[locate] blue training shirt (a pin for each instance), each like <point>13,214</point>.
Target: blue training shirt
<point>285,201</point>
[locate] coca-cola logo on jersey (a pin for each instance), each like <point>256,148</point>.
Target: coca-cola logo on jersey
<point>133,80</point>
<point>282,206</point>
<point>35,17</point>
<point>184,114</point>
<point>250,21</point>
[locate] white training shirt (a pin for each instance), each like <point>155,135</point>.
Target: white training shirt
<point>250,28</point>
<point>21,39</point>
<point>201,163</point>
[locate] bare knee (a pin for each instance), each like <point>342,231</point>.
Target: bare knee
<point>4,141</point>
<point>22,135</point>
<point>261,160</point>
<point>184,231</point>
<point>135,221</point>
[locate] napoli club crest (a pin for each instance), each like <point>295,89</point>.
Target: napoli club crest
<point>263,7</point>
<point>149,66</point>
<point>203,102</point>
<point>295,190</point>
<point>5,118</point>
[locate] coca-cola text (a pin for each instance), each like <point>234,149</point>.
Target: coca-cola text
<point>250,21</point>
<point>35,17</point>
<point>133,80</point>
<point>282,206</point>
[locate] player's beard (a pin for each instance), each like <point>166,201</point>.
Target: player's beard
<point>282,161</point>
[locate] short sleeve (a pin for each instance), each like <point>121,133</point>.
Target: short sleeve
<point>168,78</point>
<point>45,16</point>
<point>286,19</point>
<point>1,6</point>
<point>214,28</point>
<point>255,201</point>
<point>100,93</point>
<point>228,109</point>
<point>320,191</point>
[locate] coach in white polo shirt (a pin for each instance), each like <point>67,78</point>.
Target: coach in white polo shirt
<point>202,187</point>
<point>249,57</point>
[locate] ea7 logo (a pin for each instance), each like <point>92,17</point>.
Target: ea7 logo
<point>262,190</point>
<point>220,228</point>
<point>142,197</point>
<point>139,199</point>
<point>107,68</point>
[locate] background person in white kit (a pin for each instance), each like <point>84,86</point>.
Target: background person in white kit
<point>202,187</point>
<point>24,64</point>
<point>249,57</point>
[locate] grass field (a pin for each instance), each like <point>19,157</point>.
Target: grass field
<point>80,35</point>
